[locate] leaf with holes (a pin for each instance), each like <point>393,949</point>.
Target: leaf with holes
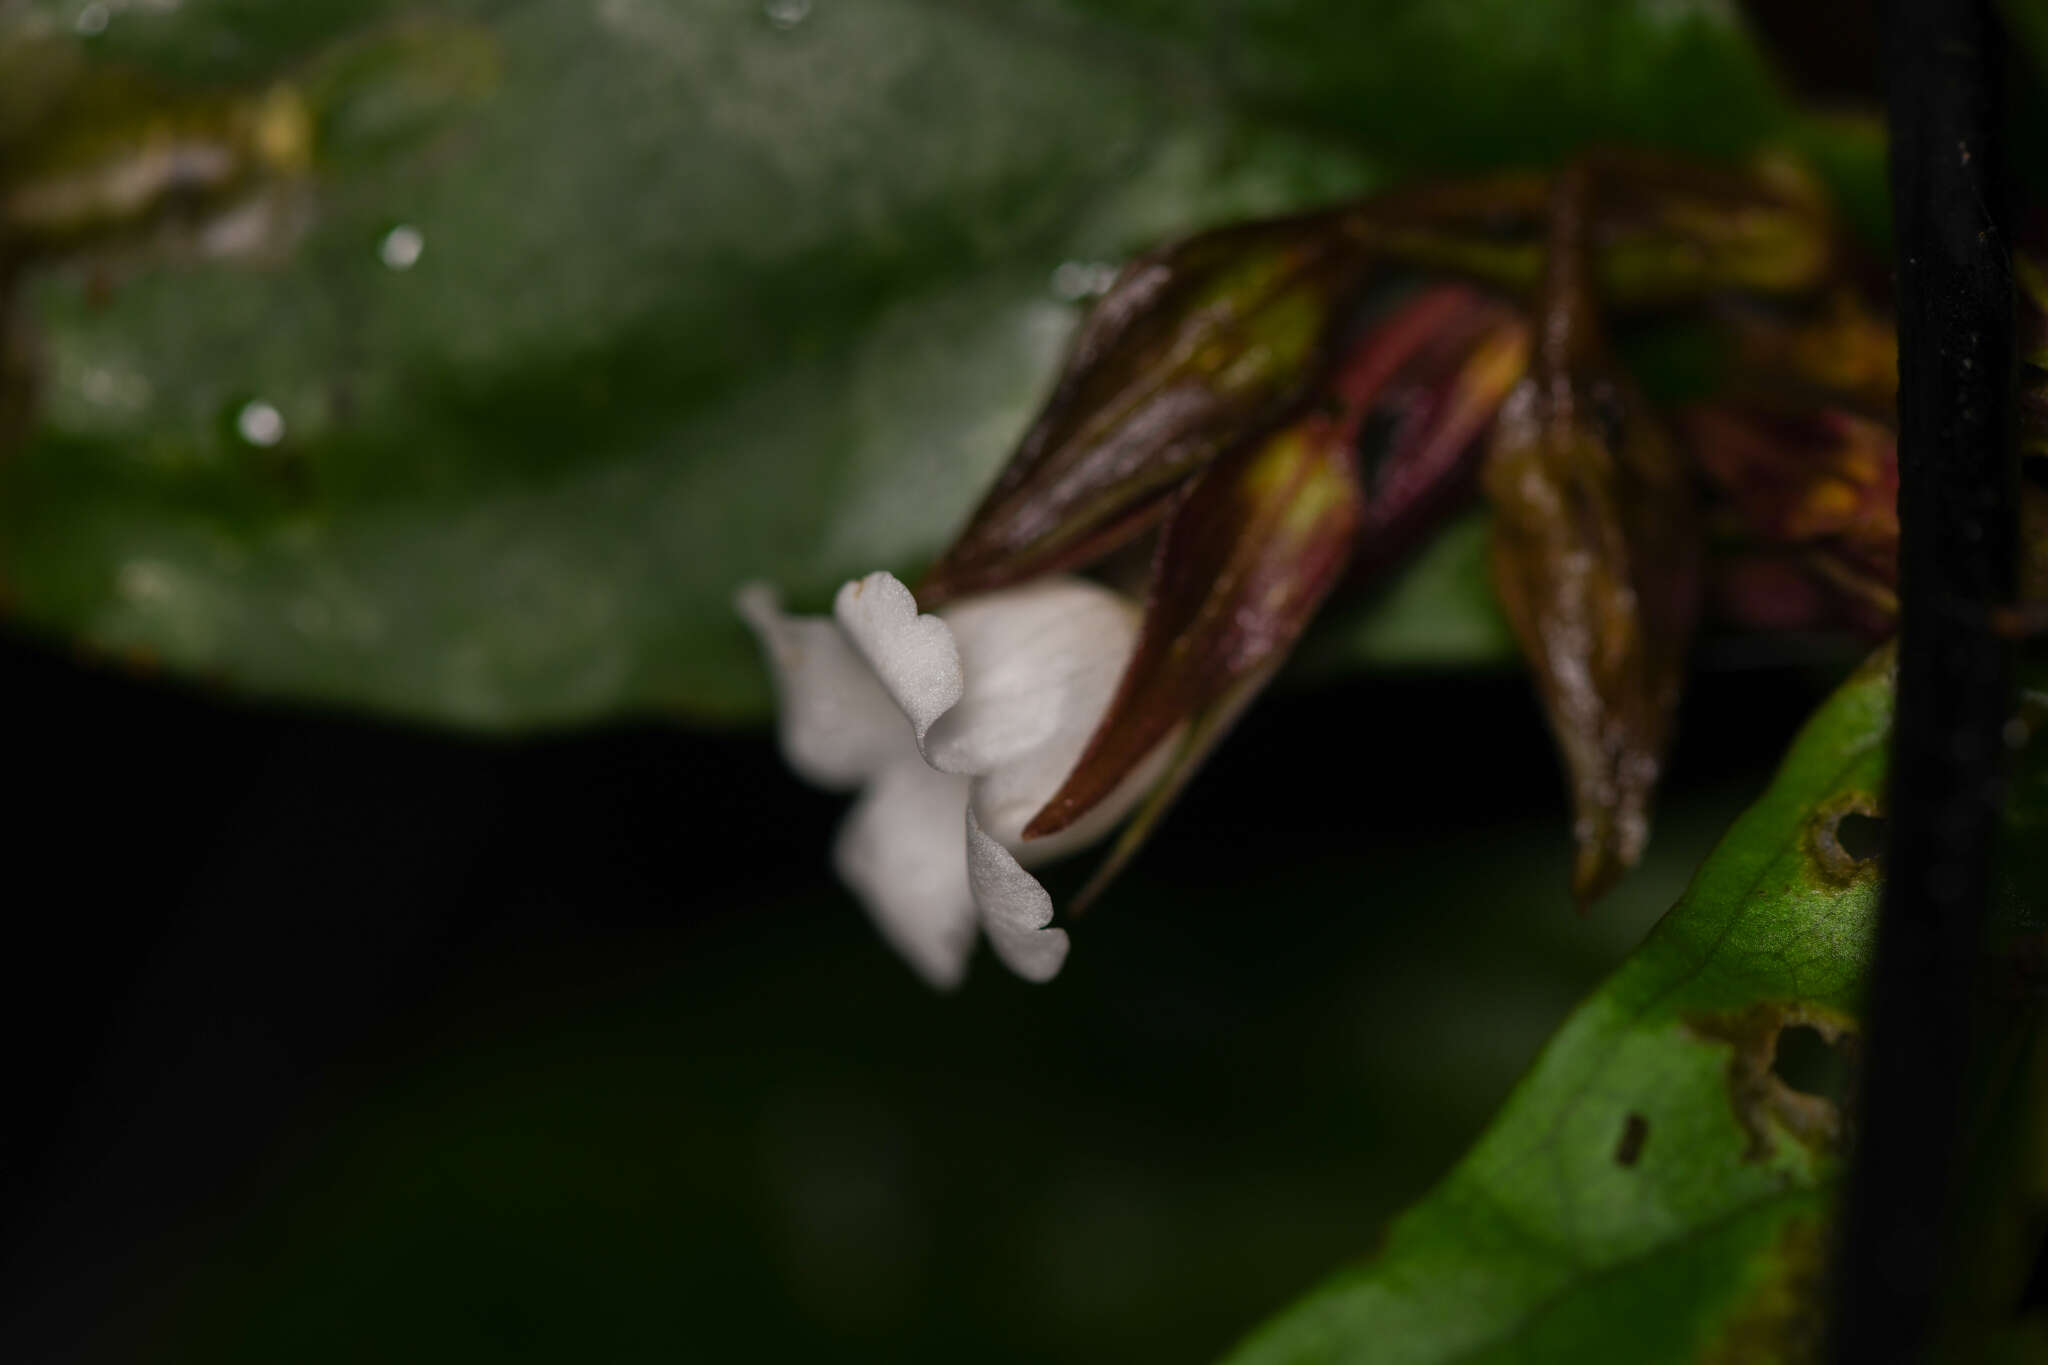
<point>1655,1189</point>
<point>462,369</point>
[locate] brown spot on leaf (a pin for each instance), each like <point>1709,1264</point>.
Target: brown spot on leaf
<point>1763,1102</point>
<point>1845,838</point>
<point>1635,1131</point>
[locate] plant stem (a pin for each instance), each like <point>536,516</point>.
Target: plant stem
<point>1957,495</point>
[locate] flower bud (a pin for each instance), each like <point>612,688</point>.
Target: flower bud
<point>1423,389</point>
<point>1841,353</point>
<point>1194,345</point>
<point>1665,232</point>
<point>1246,558</point>
<point>1824,484</point>
<point>1596,560</point>
<point>1261,538</point>
<point>1658,232</point>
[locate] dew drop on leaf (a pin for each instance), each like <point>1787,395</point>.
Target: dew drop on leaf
<point>787,14</point>
<point>401,247</point>
<point>260,424</point>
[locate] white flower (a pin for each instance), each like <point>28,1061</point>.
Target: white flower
<point>956,728</point>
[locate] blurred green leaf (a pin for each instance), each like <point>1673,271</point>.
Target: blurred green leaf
<point>1655,1189</point>
<point>705,292</point>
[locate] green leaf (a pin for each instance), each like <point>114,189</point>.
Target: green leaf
<point>1654,1189</point>
<point>703,297</point>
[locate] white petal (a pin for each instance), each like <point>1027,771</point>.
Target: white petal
<point>913,656</point>
<point>1006,799</point>
<point>838,727</point>
<point>1042,662</point>
<point>1015,909</point>
<point>901,853</point>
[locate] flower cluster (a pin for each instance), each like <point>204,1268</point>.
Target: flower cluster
<point>1289,407</point>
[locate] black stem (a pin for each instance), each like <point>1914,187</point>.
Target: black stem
<point>1957,495</point>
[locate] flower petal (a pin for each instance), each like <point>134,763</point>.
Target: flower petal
<point>913,656</point>
<point>1015,910</point>
<point>1041,664</point>
<point>1006,799</point>
<point>900,851</point>
<point>838,727</point>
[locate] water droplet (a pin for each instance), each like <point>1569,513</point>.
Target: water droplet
<point>260,424</point>
<point>787,14</point>
<point>1074,281</point>
<point>92,20</point>
<point>401,247</point>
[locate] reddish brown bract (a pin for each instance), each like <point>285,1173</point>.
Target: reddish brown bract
<point>1194,346</point>
<point>1596,559</point>
<point>1262,536</point>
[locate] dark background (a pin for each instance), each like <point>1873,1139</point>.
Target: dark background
<point>335,1039</point>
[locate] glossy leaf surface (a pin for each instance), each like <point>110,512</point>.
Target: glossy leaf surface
<point>686,293</point>
<point>1655,1188</point>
